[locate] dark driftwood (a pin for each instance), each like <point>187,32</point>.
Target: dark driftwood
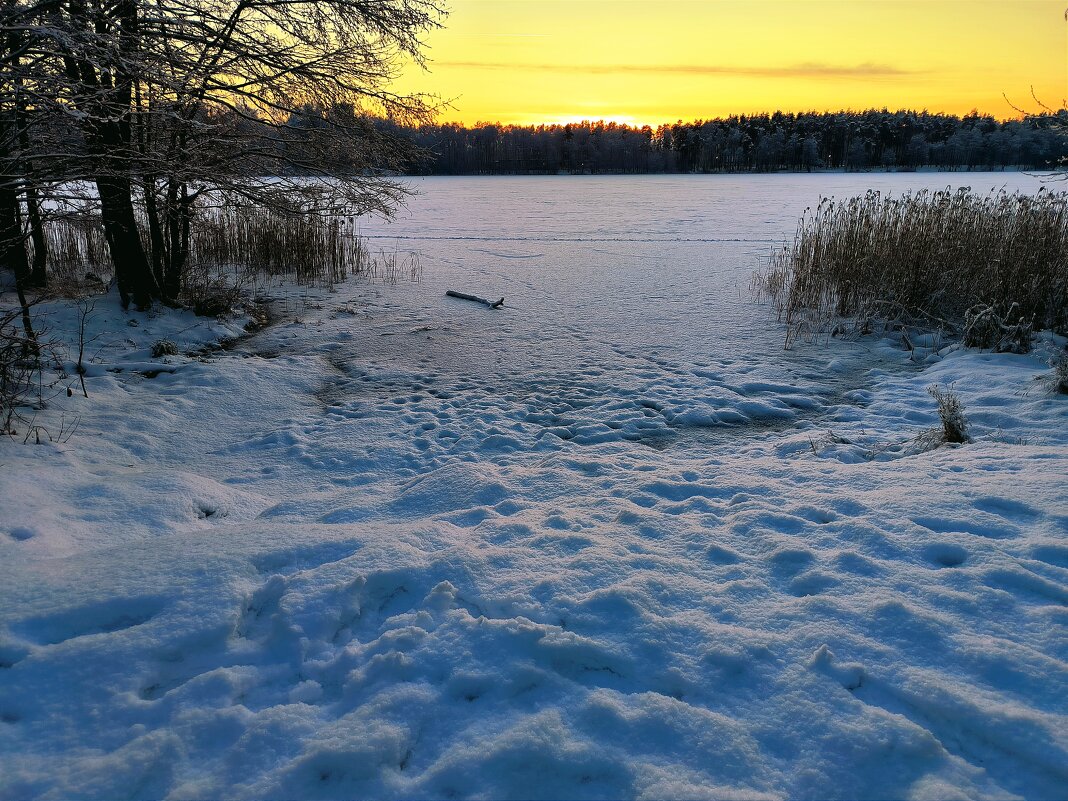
<point>462,296</point>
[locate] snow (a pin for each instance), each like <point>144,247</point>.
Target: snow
<point>608,541</point>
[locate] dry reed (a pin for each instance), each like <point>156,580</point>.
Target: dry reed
<point>305,247</point>
<point>230,247</point>
<point>925,259</point>
<point>75,245</point>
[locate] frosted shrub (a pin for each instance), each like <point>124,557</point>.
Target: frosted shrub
<point>25,385</point>
<point>17,370</point>
<point>1060,375</point>
<point>951,413</point>
<point>163,347</point>
<point>984,328</point>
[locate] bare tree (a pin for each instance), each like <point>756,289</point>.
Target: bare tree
<point>12,134</point>
<point>168,106</point>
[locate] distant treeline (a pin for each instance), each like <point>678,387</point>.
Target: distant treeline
<point>844,140</point>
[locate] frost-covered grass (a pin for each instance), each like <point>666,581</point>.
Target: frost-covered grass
<point>398,546</point>
<point>928,258</point>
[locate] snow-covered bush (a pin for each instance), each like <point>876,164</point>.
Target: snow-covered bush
<point>1060,375</point>
<point>951,413</point>
<point>16,370</point>
<point>986,329</point>
<point>208,295</point>
<point>24,385</point>
<point>163,347</point>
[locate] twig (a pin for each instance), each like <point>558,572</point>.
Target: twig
<point>476,299</point>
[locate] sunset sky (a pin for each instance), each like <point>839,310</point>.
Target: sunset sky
<point>638,61</point>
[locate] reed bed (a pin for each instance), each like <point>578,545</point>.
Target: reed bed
<point>229,248</point>
<point>75,245</point>
<point>305,247</point>
<point>392,268</point>
<point>944,260</point>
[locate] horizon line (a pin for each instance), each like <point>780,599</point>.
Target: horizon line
<point>631,121</point>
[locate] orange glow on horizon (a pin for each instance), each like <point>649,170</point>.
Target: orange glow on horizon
<point>637,62</point>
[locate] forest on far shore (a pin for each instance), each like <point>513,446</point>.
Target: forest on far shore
<point>843,140</point>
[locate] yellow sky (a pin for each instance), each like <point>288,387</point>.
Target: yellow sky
<point>653,61</point>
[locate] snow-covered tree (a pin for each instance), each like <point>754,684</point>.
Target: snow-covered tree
<point>162,101</point>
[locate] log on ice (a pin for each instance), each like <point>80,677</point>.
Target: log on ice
<point>463,296</point>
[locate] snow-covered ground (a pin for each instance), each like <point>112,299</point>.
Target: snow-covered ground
<point>609,541</point>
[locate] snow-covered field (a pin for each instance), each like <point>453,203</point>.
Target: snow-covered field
<point>609,541</point>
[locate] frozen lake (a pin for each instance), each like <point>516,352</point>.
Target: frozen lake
<point>622,294</point>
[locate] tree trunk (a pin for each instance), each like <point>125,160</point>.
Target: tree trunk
<point>13,251</point>
<point>132,270</point>
<point>12,245</point>
<point>155,233</point>
<point>179,212</point>
<point>105,97</point>
<point>33,206</point>
<point>38,278</point>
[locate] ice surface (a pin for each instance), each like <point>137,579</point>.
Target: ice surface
<point>608,541</point>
